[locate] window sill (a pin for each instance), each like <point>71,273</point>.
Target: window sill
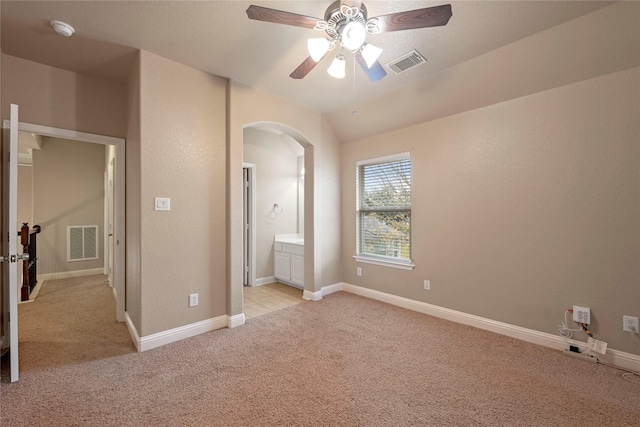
<point>385,263</point>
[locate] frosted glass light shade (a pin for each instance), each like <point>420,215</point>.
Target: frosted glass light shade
<point>353,35</point>
<point>337,68</point>
<point>317,48</point>
<point>371,53</point>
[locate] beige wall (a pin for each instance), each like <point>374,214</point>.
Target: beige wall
<point>276,163</point>
<point>521,209</point>
<point>53,97</point>
<point>68,189</point>
<point>329,225</point>
<point>25,195</point>
<point>182,156</point>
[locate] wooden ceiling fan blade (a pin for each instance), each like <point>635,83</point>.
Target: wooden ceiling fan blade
<point>304,68</point>
<point>375,72</point>
<point>411,19</point>
<point>260,13</point>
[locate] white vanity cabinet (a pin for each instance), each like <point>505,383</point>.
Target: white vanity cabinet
<point>289,263</point>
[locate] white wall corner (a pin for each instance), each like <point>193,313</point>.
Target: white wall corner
<point>614,357</point>
<point>180,333</point>
<point>329,289</point>
<point>236,320</point>
<point>132,331</point>
<point>312,296</point>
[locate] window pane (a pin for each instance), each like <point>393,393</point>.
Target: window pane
<point>386,234</point>
<point>386,185</point>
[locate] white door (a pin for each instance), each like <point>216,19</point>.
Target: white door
<point>10,226</point>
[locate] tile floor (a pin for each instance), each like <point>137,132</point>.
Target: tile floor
<point>259,300</point>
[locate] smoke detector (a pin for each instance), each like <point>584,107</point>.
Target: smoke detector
<point>62,28</point>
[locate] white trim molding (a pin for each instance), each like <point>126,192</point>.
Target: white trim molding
<point>132,331</point>
<point>312,296</point>
<point>70,274</point>
<point>384,262</point>
<point>265,280</point>
<point>180,333</point>
<point>329,289</point>
<point>236,320</point>
<point>614,357</point>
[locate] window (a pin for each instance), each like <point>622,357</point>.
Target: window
<point>384,210</point>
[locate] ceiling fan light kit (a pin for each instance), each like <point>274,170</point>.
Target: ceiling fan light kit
<point>352,35</point>
<point>318,48</point>
<point>371,53</point>
<point>337,67</point>
<point>347,22</point>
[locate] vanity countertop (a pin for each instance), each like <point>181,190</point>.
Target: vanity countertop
<point>292,239</point>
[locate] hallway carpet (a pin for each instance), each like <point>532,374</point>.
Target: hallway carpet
<point>342,361</point>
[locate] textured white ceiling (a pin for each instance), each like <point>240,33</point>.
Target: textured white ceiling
<point>217,37</point>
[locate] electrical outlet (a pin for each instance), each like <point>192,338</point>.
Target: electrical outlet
<point>359,271</point>
<point>630,324</point>
<point>193,300</point>
<point>581,315</point>
<point>162,204</point>
<point>427,285</point>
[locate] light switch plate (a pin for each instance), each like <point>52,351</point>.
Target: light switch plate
<point>162,204</point>
<point>193,300</point>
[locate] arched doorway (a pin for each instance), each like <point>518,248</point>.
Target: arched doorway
<point>236,282</point>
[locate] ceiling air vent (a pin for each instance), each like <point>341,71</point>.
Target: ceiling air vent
<point>406,62</point>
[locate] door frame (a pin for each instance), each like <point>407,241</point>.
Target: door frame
<point>109,215</point>
<point>119,287</point>
<point>249,241</point>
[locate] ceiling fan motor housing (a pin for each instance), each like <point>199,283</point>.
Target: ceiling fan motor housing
<point>336,20</point>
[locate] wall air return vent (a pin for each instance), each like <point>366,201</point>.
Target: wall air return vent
<point>82,242</point>
<point>406,62</point>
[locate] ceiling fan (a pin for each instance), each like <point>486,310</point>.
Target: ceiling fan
<point>346,23</point>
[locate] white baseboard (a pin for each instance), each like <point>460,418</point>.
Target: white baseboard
<point>69,274</point>
<point>312,296</point>
<point>326,290</point>
<point>173,335</point>
<point>236,320</point>
<point>132,330</point>
<point>329,289</point>
<point>614,357</point>
<point>265,280</point>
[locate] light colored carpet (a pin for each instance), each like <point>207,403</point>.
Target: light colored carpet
<point>344,360</point>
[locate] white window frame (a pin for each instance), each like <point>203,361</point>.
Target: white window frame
<point>371,259</point>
